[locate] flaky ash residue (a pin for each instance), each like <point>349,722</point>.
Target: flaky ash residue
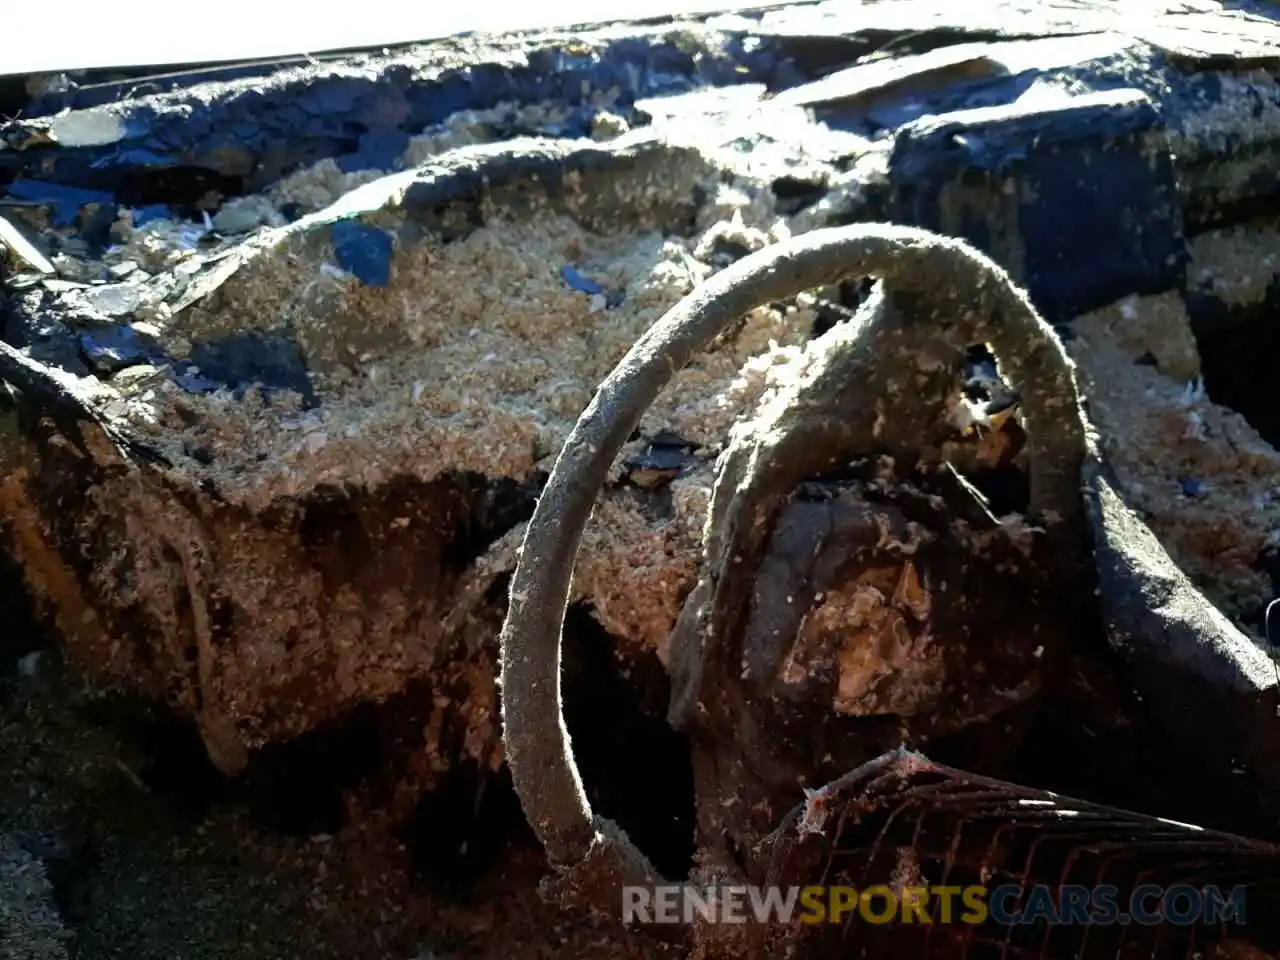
<point>477,356</point>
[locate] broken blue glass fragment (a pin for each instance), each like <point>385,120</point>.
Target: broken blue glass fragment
<point>152,211</point>
<point>136,157</point>
<point>578,281</point>
<point>363,251</point>
<point>1191,487</point>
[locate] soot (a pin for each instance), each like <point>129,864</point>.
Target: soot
<point>1239,355</point>
<point>23,632</point>
<point>297,787</point>
<point>635,769</point>
<point>1239,358</point>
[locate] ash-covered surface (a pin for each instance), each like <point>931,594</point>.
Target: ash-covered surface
<point>30,926</point>
<point>294,399</point>
<point>1194,470</point>
<point>350,311</point>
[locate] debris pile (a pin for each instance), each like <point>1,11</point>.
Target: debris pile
<point>294,352</point>
<point>359,408</point>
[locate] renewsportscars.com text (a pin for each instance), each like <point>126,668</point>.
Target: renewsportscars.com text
<point>1003,905</point>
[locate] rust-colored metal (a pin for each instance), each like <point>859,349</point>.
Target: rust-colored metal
<point>903,821</point>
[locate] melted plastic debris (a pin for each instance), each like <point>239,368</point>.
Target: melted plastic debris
<point>578,282</point>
